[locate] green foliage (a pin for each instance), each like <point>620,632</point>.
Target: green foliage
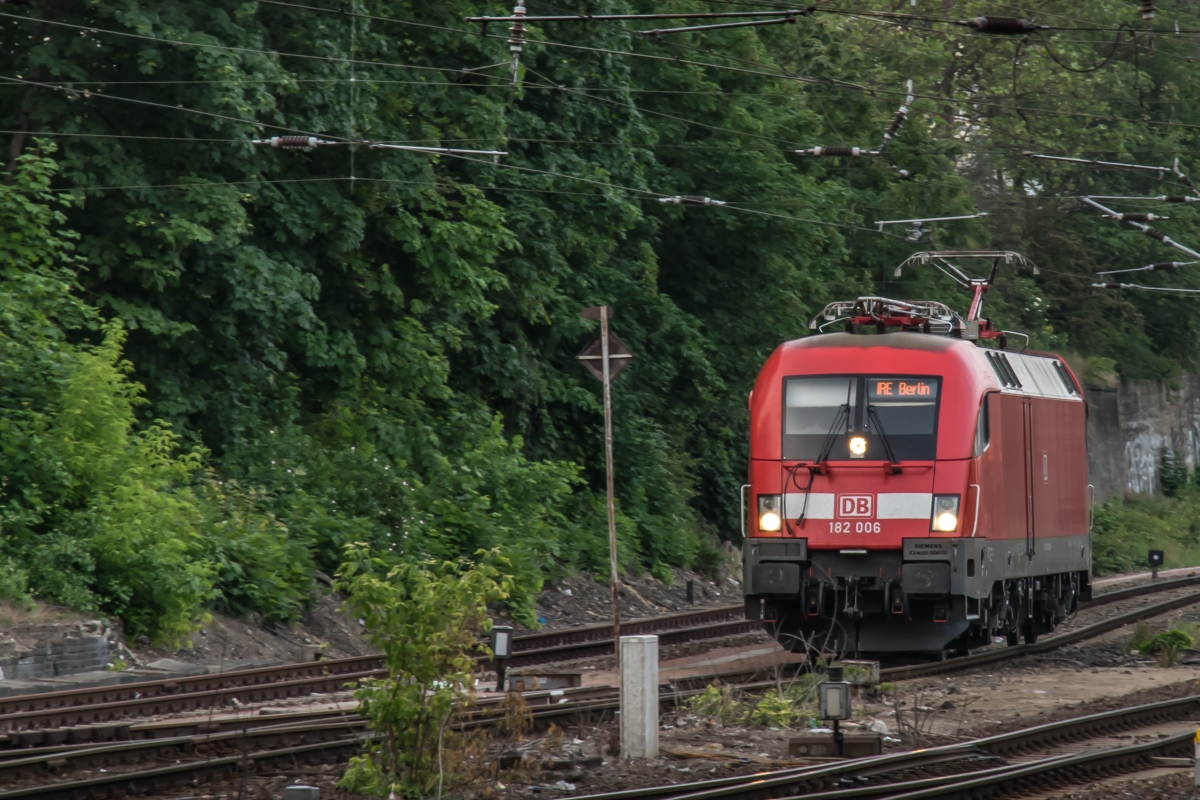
<point>782,708</point>
<point>97,510</point>
<point>1126,528</point>
<point>774,710</point>
<point>1166,646</point>
<point>1142,633</point>
<point>14,581</point>
<point>1174,473</point>
<point>426,619</point>
<point>389,359</point>
<point>716,702</point>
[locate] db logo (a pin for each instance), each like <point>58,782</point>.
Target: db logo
<point>855,505</point>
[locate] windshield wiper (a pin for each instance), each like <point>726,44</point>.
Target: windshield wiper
<point>842,418</point>
<point>883,437</point>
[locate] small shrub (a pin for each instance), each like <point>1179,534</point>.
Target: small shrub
<point>716,702</point>
<point>775,711</point>
<point>426,619</point>
<point>14,582</point>
<point>1166,646</point>
<point>1142,633</point>
<point>1174,473</point>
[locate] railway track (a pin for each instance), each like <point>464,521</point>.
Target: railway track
<point>102,713</point>
<point>220,748</point>
<point>103,707</point>
<point>992,656</point>
<point>959,770</point>
<point>969,769</point>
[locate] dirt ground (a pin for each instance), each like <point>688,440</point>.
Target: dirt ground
<point>574,601</point>
<point>324,629</point>
<point>1178,785</point>
<point>582,600</point>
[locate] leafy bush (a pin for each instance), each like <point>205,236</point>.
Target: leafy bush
<point>1142,633</point>
<point>716,702</point>
<point>1166,646</point>
<point>1173,473</point>
<point>426,619</point>
<point>1127,527</point>
<point>14,582</point>
<point>774,710</point>
<point>99,510</point>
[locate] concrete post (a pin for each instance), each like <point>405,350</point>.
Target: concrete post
<point>639,696</point>
<point>1196,766</point>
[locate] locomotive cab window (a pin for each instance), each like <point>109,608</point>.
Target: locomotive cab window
<point>904,411</point>
<point>815,410</point>
<point>841,418</point>
<point>983,431</point>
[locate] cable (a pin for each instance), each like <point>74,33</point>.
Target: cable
<point>810,221</point>
<point>639,110</point>
<point>231,48</point>
<point>162,105</point>
<point>781,74</point>
<point>1145,288</point>
<point>345,178</point>
<point>1104,63</point>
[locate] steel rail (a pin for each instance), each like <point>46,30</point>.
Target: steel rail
<point>1044,646</point>
<point>109,705</point>
<point>778,783</point>
<point>101,713</point>
<point>798,779</point>
<point>1061,771</point>
<point>1140,590</point>
<point>97,705</point>
<point>177,686</point>
<point>223,743</point>
<point>166,780</point>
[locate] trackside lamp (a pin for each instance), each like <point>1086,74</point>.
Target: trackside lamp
<point>1156,560</point>
<point>501,651</point>
<point>834,704</point>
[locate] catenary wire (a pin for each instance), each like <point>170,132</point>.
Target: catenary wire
<point>780,74</point>
<point>235,119</point>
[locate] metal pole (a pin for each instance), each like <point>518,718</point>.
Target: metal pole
<point>608,463</point>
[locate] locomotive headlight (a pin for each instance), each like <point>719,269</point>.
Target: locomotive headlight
<point>858,446</point>
<point>770,512</point>
<point>945,513</point>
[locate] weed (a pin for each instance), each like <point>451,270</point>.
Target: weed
<point>774,711</point>
<point>1166,646</point>
<point>1142,633</point>
<point>716,702</point>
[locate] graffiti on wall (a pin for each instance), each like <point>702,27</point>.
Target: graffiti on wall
<point>1141,460</point>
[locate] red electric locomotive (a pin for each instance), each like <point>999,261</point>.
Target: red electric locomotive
<point>911,491</point>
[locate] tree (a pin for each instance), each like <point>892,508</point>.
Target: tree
<point>426,618</point>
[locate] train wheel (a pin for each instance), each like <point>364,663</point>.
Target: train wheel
<point>1030,632</point>
<point>1012,638</point>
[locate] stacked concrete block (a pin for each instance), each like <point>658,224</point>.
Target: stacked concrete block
<point>50,649</point>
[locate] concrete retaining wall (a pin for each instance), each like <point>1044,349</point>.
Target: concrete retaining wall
<point>50,649</point>
<point>1128,428</point>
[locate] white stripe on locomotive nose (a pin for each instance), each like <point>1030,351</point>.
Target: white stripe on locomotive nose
<point>820,505</point>
<point>904,505</point>
<point>889,505</point>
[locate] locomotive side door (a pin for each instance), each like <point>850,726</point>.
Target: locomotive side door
<point>1030,478</point>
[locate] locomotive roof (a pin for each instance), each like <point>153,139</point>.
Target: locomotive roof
<point>1030,373</point>
<point>899,340</point>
